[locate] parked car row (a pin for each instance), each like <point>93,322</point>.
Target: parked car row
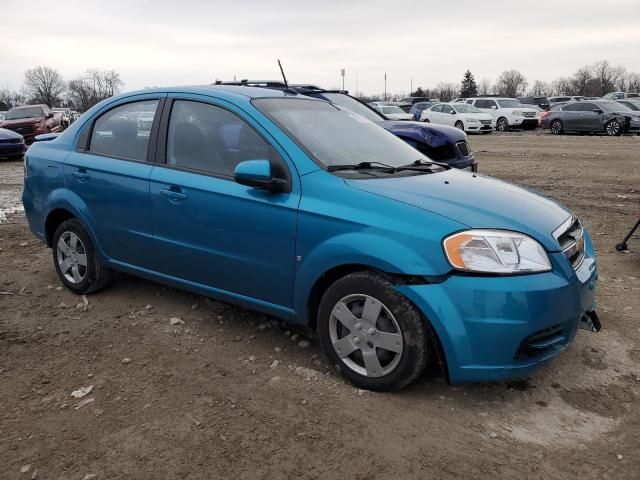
<point>594,116</point>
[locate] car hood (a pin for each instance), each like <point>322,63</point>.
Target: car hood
<point>20,121</point>
<point>474,200</point>
<point>9,134</point>
<point>435,136</point>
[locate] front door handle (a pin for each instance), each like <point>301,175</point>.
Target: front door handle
<point>81,176</point>
<point>173,195</point>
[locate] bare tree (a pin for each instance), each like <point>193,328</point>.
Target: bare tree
<point>11,98</point>
<point>446,91</point>
<point>633,82</point>
<point>580,81</point>
<point>607,75</point>
<point>511,83</point>
<point>540,88</point>
<point>43,85</point>
<point>484,87</point>
<point>93,87</point>
<point>561,86</point>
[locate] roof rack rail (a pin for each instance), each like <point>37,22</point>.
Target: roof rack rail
<point>253,83</point>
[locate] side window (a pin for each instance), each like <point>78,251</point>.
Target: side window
<point>437,108</point>
<point>211,139</point>
<point>586,107</point>
<point>123,131</point>
<point>572,107</point>
<point>447,109</point>
<point>470,102</point>
<point>490,103</point>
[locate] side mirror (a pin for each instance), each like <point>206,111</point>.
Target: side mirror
<point>257,174</point>
<point>597,110</point>
<point>452,112</point>
<point>493,107</point>
<point>50,115</point>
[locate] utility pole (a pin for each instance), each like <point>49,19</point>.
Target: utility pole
<point>357,94</point>
<point>385,87</point>
<point>411,89</point>
<point>342,74</point>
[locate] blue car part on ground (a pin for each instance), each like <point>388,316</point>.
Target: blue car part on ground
<point>299,209</point>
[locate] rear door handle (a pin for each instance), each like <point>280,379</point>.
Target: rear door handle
<point>82,176</point>
<point>173,195</point>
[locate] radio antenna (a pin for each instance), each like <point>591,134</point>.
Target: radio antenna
<point>283,76</point>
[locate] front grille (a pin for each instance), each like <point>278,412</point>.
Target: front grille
<point>463,148</point>
<point>10,140</point>
<point>570,236</point>
<point>439,154</point>
<point>485,122</point>
<point>540,343</point>
<point>529,114</point>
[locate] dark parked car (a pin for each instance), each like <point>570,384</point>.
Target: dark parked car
<point>593,116</point>
<point>440,143</point>
<point>417,108</point>
<point>30,121</point>
<point>631,103</point>
<point>11,144</point>
<point>542,102</point>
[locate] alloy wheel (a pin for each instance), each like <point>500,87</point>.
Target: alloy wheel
<point>72,257</point>
<point>613,128</point>
<point>502,125</point>
<point>365,335</point>
<point>556,127</point>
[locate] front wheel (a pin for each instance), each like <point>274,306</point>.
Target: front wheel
<point>556,127</point>
<point>613,128</point>
<point>75,259</point>
<point>459,125</point>
<point>374,334</point>
<point>502,125</point>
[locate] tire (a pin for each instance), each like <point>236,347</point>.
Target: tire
<point>556,127</point>
<point>426,120</point>
<point>613,128</point>
<point>396,323</point>
<point>459,125</point>
<point>502,125</point>
<point>75,260</point>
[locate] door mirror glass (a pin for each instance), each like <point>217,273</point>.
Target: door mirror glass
<point>493,107</point>
<point>597,110</point>
<point>257,173</point>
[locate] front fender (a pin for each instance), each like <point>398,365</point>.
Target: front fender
<point>62,198</point>
<point>356,248</point>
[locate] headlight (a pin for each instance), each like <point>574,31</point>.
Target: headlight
<point>517,113</point>
<point>495,251</point>
<point>472,120</point>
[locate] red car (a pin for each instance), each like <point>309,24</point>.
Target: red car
<point>31,120</point>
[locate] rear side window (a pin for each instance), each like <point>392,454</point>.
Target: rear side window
<point>123,132</point>
<point>572,107</point>
<point>437,108</point>
<point>447,109</point>
<point>211,139</point>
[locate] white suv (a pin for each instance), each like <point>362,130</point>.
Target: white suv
<point>507,112</point>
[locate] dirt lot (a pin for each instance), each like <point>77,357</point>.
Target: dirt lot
<point>205,400</point>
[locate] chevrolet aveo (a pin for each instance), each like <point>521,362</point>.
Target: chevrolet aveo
<point>306,211</point>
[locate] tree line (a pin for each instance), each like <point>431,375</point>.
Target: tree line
<point>593,80</point>
<point>46,85</point>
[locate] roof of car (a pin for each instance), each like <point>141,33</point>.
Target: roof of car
<point>245,91</point>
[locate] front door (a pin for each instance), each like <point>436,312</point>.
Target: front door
<point>110,174</point>
<point>210,230</point>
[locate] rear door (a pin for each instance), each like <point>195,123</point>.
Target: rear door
<point>210,230</point>
<point>571,116</point>
<point>110,172</point>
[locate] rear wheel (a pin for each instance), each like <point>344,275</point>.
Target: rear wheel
<point>374,334</point>
<point>75,260</point>
<point>556,127</point>
<point>613,128</point>
<point>459,125</point>
<point>502,125</point>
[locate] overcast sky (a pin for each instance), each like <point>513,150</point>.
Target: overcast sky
<point>172,42</point>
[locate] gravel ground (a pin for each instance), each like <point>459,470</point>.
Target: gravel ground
<point>186,387</point>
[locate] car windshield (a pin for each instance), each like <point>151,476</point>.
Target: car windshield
<point>354,105</point>
<point>392,109</point>
<point>509,103</point>
<point>464,108</point>
<point>19,113</point>
<point>613,107</point>
<point>336,136</point>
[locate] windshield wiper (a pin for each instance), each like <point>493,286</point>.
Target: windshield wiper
<point>419,163</point>
<point>363,166</point>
